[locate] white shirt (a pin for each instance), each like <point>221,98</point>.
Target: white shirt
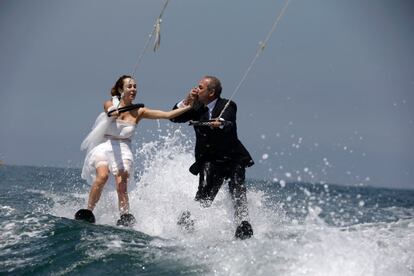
<point>210,108</point>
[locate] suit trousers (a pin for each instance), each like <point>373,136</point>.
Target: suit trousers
<point>212,177</point>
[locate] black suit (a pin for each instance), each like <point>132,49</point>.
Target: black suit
<point>219,155</point>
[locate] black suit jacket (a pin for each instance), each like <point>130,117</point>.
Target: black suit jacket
<point>216,144</point>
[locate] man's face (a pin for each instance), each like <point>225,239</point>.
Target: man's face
<point>204,94</point>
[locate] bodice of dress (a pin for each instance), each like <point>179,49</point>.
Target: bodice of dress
<point>120,129</point>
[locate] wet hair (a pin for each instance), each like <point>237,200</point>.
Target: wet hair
<point>119,84</point>
<point>214,84</point>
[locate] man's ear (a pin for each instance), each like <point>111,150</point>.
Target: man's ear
<point>212,92</point>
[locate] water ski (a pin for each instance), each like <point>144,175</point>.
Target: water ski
<point>85,215</point>
<point>244,230</point>
<point>126,220</point>
<point>185,222</point>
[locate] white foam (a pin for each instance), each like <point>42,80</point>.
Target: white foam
<point>279,247</point>
<point>6,210</point>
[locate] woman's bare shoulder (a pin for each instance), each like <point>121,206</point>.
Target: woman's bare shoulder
<point>108,104</point>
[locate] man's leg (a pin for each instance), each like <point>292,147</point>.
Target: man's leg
<point>210,180</point>
<point>238,193</point>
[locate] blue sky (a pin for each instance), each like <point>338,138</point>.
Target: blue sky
<point>333,92</point>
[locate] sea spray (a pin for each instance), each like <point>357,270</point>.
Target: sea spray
<point>299,228</point>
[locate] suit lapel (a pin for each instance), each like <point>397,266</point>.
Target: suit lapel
<point>217,109</point>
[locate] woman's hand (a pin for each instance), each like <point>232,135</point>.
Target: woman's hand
<point>115,114</point>
<point>190,101</point>
<point>110,108</point>
<point>191,97</point>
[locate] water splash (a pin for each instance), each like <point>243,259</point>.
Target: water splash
<point>298,229</point>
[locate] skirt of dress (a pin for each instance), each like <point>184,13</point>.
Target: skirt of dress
<point>116,154</point>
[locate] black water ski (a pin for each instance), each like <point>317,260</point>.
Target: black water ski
<point>244,231</point>
<point>126,220</point>
<point>85,215</point>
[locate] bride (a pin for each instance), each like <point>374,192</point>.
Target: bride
<point>109,146</point>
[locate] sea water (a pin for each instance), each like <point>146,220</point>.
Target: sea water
<point>299,228</point>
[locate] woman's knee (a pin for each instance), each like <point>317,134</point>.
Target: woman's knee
<point>102,175</point>
<point>102,178</point>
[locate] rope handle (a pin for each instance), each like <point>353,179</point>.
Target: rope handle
<point>125,109</point>
<point>209,123</point>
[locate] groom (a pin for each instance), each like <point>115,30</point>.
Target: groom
<point>219,154</point>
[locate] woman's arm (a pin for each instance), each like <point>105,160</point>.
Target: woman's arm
<point>109,106</point>
<point>159,114</point>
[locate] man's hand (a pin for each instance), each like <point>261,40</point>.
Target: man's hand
<point>217,122</point>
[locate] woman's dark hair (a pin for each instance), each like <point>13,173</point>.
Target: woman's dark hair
<point>119,85</point>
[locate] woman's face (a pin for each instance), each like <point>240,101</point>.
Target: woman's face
<point>129,89</point>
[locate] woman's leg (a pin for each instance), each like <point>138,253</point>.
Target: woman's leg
<point>122,189</point>
<point>102,174</point>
